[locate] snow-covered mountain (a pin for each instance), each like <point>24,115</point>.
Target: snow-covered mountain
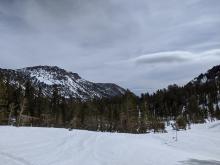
<point>69,84</point>
<point>212,75</point>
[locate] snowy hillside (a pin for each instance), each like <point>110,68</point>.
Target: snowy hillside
<point>69,84</point>
<point>212,75</point>
<point>48,146</point>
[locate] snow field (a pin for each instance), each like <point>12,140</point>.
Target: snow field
<point>52,146</point>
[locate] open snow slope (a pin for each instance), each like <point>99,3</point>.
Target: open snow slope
<point>50,146</point>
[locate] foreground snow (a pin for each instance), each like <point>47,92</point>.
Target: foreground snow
<point>49,146</point>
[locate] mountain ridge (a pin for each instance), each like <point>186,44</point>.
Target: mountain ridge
<point>211,75</point>
<point>70,84</point>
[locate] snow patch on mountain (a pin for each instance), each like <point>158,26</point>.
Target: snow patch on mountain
<point>204,79</point>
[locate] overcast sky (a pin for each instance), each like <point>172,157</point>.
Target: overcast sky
<point>143,45</point>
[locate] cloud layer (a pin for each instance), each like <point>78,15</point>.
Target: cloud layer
<point>176,57</point>
<point>142,45</point>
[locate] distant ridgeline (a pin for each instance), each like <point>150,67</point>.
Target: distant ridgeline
<point>52,97</point>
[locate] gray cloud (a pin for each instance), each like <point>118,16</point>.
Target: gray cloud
<point>163,57</point>
<point>174,57</point>
<point>166,59</point>
<point>114,39</point>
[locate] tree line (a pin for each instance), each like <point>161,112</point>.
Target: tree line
<point>193,103</point>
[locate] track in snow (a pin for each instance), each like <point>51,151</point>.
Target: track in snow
<point>13,159</point>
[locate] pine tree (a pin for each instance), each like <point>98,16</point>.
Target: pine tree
<point>132,112</point>
<point>16,100</point>
<point>62,113</point>
<point>211,111</point>
<point>143,114</point>
<point>194,110</point>
<point>29,99</point>
<point>3,103</point>
<point>217,112</point>
<point>39,102</point>
<point>55,102</point>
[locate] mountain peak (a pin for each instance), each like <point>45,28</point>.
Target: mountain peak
<point>53,70</point>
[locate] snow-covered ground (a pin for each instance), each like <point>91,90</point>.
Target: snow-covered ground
<point>50,146</point>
